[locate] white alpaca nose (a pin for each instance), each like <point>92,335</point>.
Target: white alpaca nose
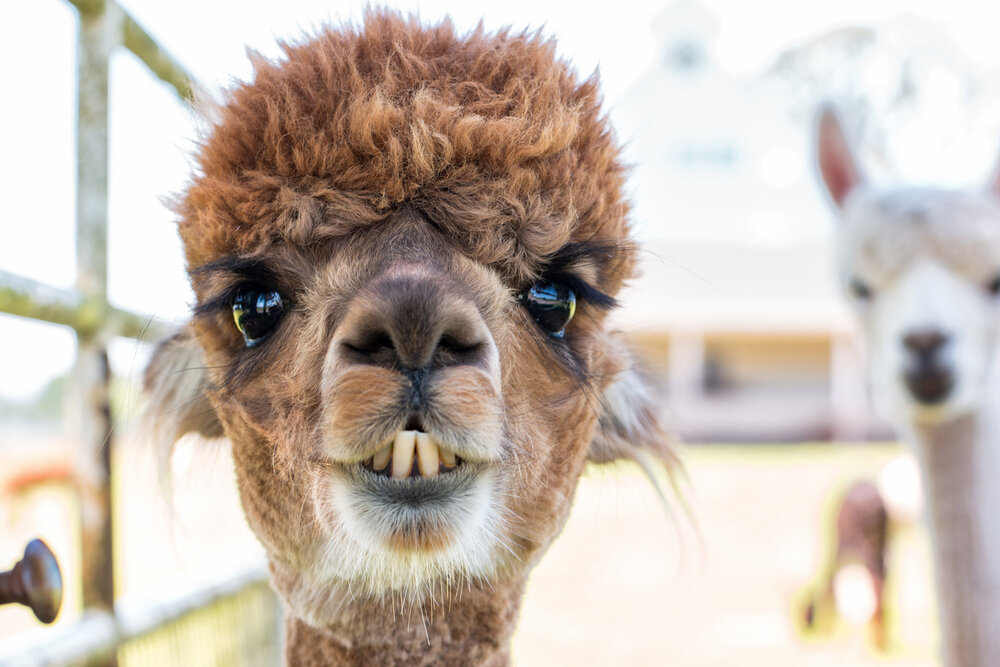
<point>927,375</point>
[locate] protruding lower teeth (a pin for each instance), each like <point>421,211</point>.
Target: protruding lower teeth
<point>397,458</point>
<point>382,457</point>
<point>402,453</point>
<point>427,455</point>
<point>447,458</point>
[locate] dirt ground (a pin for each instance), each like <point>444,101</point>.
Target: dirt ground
<point>623,585</point>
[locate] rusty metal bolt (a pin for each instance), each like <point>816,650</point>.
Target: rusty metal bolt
<point>34,582</point>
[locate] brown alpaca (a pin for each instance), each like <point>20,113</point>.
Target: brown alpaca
<point>418,235</point>
<point>860,546</point>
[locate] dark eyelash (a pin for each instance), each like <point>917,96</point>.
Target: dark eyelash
<point>583,290</point>
<point>222,302</point>
<point>249,268</point>
<point>570,254</point>
<point>583,250</point>
<point>240,271</point>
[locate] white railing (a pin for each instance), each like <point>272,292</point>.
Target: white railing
<point>107,623</point>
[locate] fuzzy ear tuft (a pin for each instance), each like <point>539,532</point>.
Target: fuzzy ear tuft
<point>837,166</point>
<point>630,426</point>
<point>175,383</point>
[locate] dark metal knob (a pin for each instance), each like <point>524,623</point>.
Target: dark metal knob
<point>34,582</point>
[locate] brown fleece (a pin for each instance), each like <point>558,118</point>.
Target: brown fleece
<point>473,630</point>
<point>405,180</point>
<point>488,135</point>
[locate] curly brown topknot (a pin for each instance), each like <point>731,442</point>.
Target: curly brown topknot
<point>490,136</point>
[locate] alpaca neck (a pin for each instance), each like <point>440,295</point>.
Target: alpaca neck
<point>475,628</point>
<point>960,464</point>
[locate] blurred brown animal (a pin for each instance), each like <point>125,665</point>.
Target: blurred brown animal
<point>862,538</point>
<point>404,242</point>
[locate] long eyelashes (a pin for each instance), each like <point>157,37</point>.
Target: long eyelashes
<point>585,292</point>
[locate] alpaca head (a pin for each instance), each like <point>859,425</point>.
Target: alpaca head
<point>404,243</point>
<point>921,267</point>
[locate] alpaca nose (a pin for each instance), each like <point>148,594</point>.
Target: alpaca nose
<point>927,376</point>
<point>925,343</point>
<point>415,325</point>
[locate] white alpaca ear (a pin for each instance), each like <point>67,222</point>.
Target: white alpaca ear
<point>993,185</point>
<point>175,384</point>
<point>630,426</point>
<point>836,163</point>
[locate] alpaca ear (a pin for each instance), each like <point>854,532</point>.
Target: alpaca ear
<point>630,426</point>
<point>175,383</point>
<point>993,185</point>
<point>836,163</point>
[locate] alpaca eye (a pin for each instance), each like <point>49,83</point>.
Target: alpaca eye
<point>859,289</point>
<point>993,286</point>
<point>256,310</point>
<point>552,304</point>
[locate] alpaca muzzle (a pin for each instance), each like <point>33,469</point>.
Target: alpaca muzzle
<point>413,379</point>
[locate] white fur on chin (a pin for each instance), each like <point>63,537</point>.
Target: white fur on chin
<point>356,559</point>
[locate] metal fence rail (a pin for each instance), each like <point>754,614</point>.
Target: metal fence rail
<point>234,620</point>
<point>89,318</point>
<point>240,608</point>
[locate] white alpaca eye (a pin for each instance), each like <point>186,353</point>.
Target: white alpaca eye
<point>993,286</point>
<point>859,289</point>
<point>552,304</point>
<point>257,311</point>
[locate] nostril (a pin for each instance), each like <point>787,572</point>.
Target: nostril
<point>406,322</point>
<point>373,342</point>
<point>925,342</point>
<point>458,346</point>
<point>453,350</point>
<point>370,346</point>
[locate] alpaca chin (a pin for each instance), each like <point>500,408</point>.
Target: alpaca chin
<point>382,547</point>
<point>964,402</point>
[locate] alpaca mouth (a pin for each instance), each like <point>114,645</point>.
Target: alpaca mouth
<point>402,507</point>
<point>411,454</point>
<point>415,494</point>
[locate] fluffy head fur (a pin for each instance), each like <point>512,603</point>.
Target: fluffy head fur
<point>489,136</point>
<point>399,186</point>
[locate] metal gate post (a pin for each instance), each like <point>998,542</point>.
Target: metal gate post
<point>100,31</point>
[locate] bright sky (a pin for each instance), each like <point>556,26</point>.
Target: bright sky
<point>151,130</point>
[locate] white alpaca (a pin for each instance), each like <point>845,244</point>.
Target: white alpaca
<point>921,266</point>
